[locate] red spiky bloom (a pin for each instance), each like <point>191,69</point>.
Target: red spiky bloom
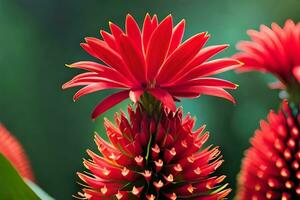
<point>153,157</point>
<point>274,50</point>
<point>152,59</point>
<point>13,151</point>
<point>271,167</point>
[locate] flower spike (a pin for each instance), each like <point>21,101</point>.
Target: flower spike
<point>146,159</point>
<point>151,60</point>
<point>271,167</point>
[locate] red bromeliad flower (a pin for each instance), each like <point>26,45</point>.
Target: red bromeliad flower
<point>153,157</point>
<point>275,50</point>
<point>13,151</point>
<point>154,60</point>
<point>271,167</point>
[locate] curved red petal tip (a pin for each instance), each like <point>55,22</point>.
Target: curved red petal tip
<point>109,102</point>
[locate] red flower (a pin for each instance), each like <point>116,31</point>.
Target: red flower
<point>13,151</point>
<point>153,158</point>
<point>152,59</point>
<point>271,167</point>
<point>275,50</point>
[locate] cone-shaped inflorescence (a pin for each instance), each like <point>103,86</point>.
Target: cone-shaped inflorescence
<point>271,167</point>
<point>13,151</point>
<point>151,59</point>
<point>156,156</point>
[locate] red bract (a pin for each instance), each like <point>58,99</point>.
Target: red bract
<point>275,50</point>
<point>152,59</point>
<point>153,158</point>
<point>13,151</point>
<point>271,167</point>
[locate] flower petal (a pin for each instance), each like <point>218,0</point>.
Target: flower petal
<point>95,87</point>
<point>102,71</point>
<point>158,47</point>
<point>207,90</point>
<point>109,102</point>
<point>180,57</point>
<point>115,30</point>
<point>206,53</point>
<point>214,82</point>
<point>154,22</point>
<point>147,31</point>
<point>133,57</point>
<point>109,39</point>
<point>133,31</point>
<point>213,67</point>
<point>177,35</point>
<point>106,54</point>
<point>162,95</point>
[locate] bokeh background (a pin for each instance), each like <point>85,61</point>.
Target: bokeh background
<point>38,37</point>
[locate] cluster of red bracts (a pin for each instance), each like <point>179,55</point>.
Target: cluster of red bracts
<point>152,59</point>
<point>153,159</point>
<point>271,167</point>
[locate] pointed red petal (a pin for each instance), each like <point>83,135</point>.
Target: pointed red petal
<point>162,95</point>
<point>133,57</point>
<point>215,82</point>
<point>215,91</point>
<point>109,39</point>
<point>207,53</point>
<point>88,49</point>
<point>133,31</point>
<point>115,30</point>
<point>102,71</point>
<point>147,31</point>
<point>92,79</point>
<point>106,54</point>
<point>180,57</point>
<point>89,66</point>
<point>207,90</point>
<point>109,102</point>
<point>95,87</point>
<point>158,47</point>
<point>213,67</point>
<point>177,35</point>
<point>154,22</point>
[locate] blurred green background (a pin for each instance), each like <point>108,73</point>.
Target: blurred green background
<point>38,37</point>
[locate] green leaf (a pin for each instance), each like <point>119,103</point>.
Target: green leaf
<point>13,186</point>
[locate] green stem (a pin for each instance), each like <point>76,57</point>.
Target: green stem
<point>151,105</point>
